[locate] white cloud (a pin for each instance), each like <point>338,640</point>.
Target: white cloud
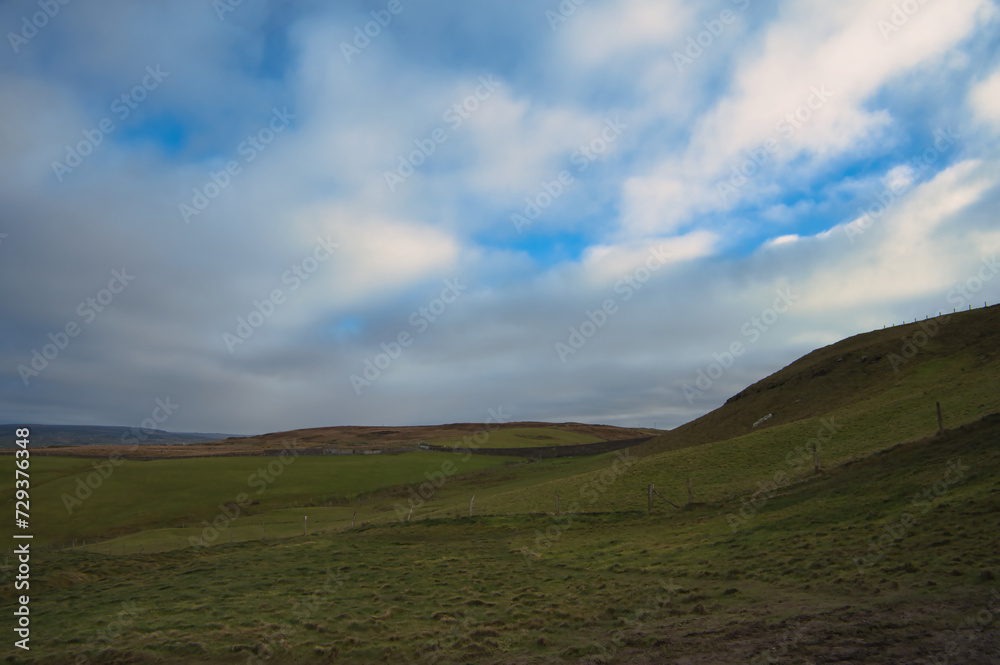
<point>377,254</point>
<point>783,240</point>
<point>30,131</point>
<point>515,145</point>
<point>601,32</point>
<point>602,264</point>
<point>808,90</point>
<point>902,254</point>
<point>985,100</point>
<point>899,178</point>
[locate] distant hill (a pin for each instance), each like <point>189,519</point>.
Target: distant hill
<point>86,435</point>
<point>531,433</point>
<point>347,438</point>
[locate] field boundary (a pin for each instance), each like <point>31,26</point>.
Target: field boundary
<point>547,452</point>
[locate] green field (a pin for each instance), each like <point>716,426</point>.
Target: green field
<point>887,554</point>
<point>162,494</point>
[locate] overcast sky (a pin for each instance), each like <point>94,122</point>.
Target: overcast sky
<point>274,215</point>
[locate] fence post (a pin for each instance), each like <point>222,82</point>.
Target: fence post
<point>411,513</point>
<point>940,418</point>
<point>471,501</point>
<point>815,458</point>
<point>649,502</point>
<point>305,518</point>
<point>354,518</point>
<point>690,493</point>
<point>557,503</point>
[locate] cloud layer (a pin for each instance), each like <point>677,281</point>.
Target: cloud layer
<point>287,215</point>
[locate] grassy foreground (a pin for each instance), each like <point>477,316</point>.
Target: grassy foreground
<point>829,566</point>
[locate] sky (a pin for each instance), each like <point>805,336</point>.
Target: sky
<point>256,216</point>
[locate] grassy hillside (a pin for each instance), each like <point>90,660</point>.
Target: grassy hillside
<point>876,372</point>
<point>799,581</point>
